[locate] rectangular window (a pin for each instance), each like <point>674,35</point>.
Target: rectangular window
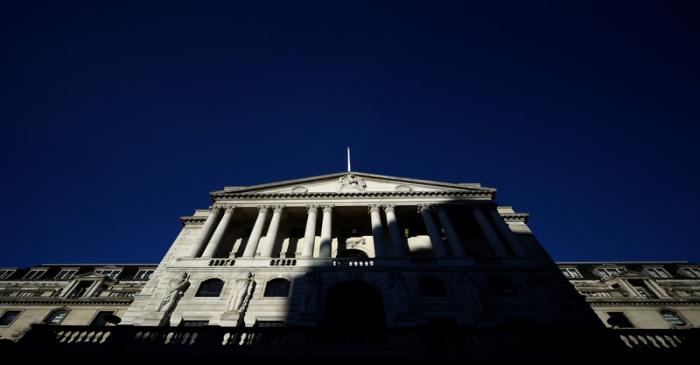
<point>4,274</point>
<point>693,272</point>
<point>606,272</point>
<point>26,294</point>
<point>8,317</point>
<point>641,288</point>
<point>657,272</point>
<point>80,289</point>
<point>66,274</point>
<point>619,320</point>
<point>143,275</point>
<point>101,318</point>
<point>34,274</point>
<point>571,273</point>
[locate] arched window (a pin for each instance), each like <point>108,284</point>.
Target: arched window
<point>673,318</point>
<point>210,288</point>
<point>277,288</point>
<point>431,287</point>
<point>56,317</point>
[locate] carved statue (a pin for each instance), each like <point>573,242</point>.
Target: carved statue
<point>352,182</point>
<point>244,291</point>
<point>176,289</point>
<point>354,242</point>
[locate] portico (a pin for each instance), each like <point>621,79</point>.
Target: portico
<point>382,229</point>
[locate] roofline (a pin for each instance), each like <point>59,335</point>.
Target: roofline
<point>621,262</point>
<point>462,186</point>
<point>98,264</point>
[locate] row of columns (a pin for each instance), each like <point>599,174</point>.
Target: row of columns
<point>212,234</point>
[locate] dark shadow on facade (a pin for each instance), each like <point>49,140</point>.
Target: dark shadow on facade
<point>422,309</point>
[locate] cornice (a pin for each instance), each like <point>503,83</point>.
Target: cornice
<point>464,186</point>
<point>190,219</point>
<point>642,303</point>
<point>398,194</point>
<point>66,301</point>
<point>515,217</point>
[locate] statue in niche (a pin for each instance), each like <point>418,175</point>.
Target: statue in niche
<point>312,287</point>
<point>176,289</point>
<point>352,182</point>
<point>244,291</point>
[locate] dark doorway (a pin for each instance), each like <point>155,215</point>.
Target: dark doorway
<point>354,306</point>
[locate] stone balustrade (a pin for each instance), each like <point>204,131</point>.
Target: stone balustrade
<point>295,342</point>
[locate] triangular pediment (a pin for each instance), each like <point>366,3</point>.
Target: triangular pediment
<point>352,182</point>
<point>90,275</point>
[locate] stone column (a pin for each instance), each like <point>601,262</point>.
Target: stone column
<point>433,232</point>
<point>326,244</point>
<point>377,231</point>
<point>307,248</point>
<point>205,232</point>
<point>491,235</point>
<point>254,238</point>
<point>452,237</point>
<point>218,235</point>
<point>511,238</point>
<point>398,248</point>
<point>271,235</point>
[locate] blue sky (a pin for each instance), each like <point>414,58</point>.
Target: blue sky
<point>119,117</point>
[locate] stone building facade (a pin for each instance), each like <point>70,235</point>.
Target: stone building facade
<point>669,297</point>
<point>353,253</point>
<point>66,295</point>
<point>347,249</point>
<point>650,295</point>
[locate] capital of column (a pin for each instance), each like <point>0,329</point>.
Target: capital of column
<point>277,208</point>
<point>327,208</point>
<point>263,207</point>
<point>311,208</point>
<point>373,208</point>
<point>424,206</point>
<point>229,208</point>
<point>389,207</point>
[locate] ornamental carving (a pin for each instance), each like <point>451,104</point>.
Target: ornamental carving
<point>300,190</point>
<point>354,242</point>
<point>352,182</point>
<point>403,188</point>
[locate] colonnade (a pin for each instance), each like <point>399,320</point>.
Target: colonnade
<point>495,230</point>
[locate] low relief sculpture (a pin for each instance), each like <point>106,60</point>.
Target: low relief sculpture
<point>244,291</point>
<point>354,242</point>
<point>176,289</point>
<point>352,182</point>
